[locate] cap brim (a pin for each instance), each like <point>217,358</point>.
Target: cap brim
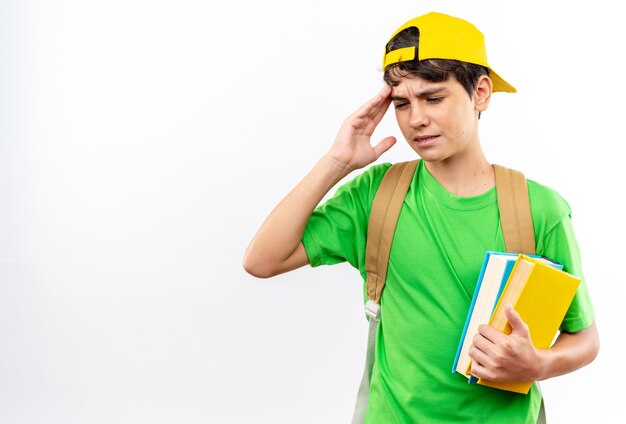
<point>499,84</point>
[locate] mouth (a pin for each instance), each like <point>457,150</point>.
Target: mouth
<point>426,140</point>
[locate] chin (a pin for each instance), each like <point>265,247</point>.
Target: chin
<point>430,156</point>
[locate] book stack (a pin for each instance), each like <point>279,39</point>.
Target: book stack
<point>537,288</point>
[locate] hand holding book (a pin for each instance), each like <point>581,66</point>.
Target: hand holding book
<point>507,350</point>
<point>500,357</point>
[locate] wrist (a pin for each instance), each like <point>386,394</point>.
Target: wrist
<point>542,364</point>
<point>335,167</point>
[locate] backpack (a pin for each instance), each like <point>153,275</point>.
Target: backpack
<point>517,229</point>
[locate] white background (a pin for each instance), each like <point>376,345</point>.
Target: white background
<point>142,143</point>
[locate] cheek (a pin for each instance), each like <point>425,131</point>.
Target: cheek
<point>459,118</point>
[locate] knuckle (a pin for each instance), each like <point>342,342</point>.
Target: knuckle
<point>498,358</point>
<point>506,345</point>
<point>472,351</point>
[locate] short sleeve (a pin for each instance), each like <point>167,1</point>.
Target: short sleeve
<point>337,230</point>
<point>559,244</point>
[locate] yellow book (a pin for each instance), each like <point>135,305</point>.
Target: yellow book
<point>541,294</point>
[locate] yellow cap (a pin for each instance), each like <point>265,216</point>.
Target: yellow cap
<point>446,37</point>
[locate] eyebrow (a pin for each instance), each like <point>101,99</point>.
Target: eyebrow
<point>425,93</point>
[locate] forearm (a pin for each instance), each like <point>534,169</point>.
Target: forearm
<point>281,233</point>
<point>570,352</point>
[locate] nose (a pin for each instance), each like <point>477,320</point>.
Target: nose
<point>419,117</point>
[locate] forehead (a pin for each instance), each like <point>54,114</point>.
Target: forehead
<point>416,85</point>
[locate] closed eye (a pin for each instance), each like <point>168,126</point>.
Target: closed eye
<point>400,105</point>
<point>434,99</point>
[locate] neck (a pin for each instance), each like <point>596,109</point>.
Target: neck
<point>463,176</point>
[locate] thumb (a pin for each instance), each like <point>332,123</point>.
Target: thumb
<point>518,326</point>
<point>384,145</point>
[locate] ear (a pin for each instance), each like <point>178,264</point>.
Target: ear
<point>482,94</point>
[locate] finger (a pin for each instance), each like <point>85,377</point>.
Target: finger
<point>518,326</point>
<point>477,355</point>
<point>482,343</point>
<point>489,333</point>
<point>384,145</point>
<point>385,92</point>
<point>373,107</point>
<point>479,370</point>
<point>382,110</point>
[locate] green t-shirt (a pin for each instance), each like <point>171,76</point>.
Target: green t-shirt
<point>439,245</point>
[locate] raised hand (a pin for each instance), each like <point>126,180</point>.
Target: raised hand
<point>277,246</point>
<point>352,147</point>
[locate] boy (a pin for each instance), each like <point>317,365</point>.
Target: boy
<point>438,79</point>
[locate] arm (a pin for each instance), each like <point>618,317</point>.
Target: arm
<point>570,352</point>
<point>500,357</point>
<point>277,247</point>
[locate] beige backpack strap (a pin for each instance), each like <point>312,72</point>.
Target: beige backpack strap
<point>382,224</point>
<point>381,227</point>
<point>514,205</point>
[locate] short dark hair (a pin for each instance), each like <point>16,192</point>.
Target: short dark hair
<point>435,70</point>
